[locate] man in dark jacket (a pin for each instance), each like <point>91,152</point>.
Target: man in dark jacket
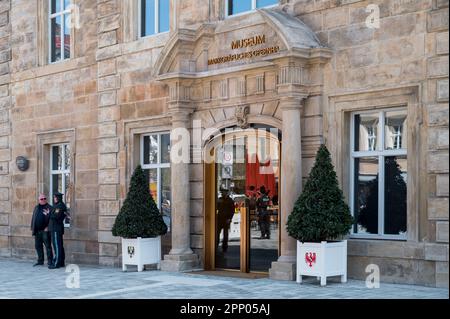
<point>56,228</point>
<point>225,208</point>
<point>262,205</point>
<point>39,228</point>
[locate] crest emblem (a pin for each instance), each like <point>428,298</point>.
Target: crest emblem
<point>310,259</point>
<point>131,251</point>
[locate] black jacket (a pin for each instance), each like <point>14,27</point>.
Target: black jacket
<point>33,219</point>
<point>57,216</point>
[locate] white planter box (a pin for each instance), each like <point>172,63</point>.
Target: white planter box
<point>140,252</point>
<point>322,260</point>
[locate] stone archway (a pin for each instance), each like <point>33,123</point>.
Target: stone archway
<point>221,84</point>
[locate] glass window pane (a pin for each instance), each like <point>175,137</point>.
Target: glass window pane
<point>55,6</point>
<point>166,195</point>
<point>366,132</point>
<point>165,148</point>
<point>395,193</point>
<point>56,158</point>
<point>366,195</point>
<point>55,40</point>
<point>151,149</point>
<point>164,9</point>
<point>66,186</point>
<point>239,6</point>
<point>396,130</point>
<point>67,4</point>
<point>148,17</point>
<point>66,38</point>
<point>57,184</point>
<point>67,157</point>
<point>152,178</point>
<point>265,3</point>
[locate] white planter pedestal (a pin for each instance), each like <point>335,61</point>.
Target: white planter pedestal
<point>140,252</point>
<point>322,260</point>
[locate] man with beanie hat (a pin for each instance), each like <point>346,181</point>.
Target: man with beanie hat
<point>56,228</point>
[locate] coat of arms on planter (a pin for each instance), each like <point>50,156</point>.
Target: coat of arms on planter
<point>131,251</point>
<point>310,259</point>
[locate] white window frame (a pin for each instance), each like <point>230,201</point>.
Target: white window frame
<point>156,20</point>
<point>381,153</point>
<point>51,16</point>
<point>157,166</point>
<point>245,12</point>
<point>62,172</point>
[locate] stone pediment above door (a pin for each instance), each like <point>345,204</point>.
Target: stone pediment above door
<point>255,40</point>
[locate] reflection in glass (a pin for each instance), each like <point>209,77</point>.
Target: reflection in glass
<point>165,148</point>
<point>395,130</point>
<point>55,38</point>
<point>57,158</point>
<point>148,17</point>
<point>366,195</point>
<point>239,6</point>
<point>151,149</point>
<point>395,189</point>
<point>164,8</point>
<point>152,178</point>
<point>55,6</point>
<point>265,3</point>
<point>366,132</point>
<point>57,185</point>
<point>66,156</point>
<point>66,40</point>
<point>166,195</point>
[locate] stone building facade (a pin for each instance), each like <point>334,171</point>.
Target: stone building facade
<point>321,62</point>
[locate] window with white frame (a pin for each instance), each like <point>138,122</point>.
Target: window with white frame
<point>379,173</point>
<point>234,7</point>
<point>154,17</point>
<point>155,160</point>
<point>59,30</point>
<point>59,170</point>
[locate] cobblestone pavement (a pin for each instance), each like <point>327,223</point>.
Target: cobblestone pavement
<point>18,279</point>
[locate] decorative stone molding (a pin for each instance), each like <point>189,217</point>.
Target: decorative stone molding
<point>242,112</point>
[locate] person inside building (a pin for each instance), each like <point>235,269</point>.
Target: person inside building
<point>225,208</point>
<point>39,228</point>
<point>56,228</point>
<point>262,205</point>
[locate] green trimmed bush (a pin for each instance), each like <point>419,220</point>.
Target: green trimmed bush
<point>139,215</point>
<point>320,213</point>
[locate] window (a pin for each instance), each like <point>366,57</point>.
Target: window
<point>234,7</point>
<point>154,16</point>
<point>155,160</point>
<point>59,170</point>
<point>59,28</point>
<point>379,174</point>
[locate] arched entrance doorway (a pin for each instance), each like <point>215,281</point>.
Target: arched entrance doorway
<point>242,180</point>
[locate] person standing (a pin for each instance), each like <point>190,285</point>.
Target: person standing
<point>225,208</point>
<point>40,231</point>
<point>56,228</point>
<point>262,205</point>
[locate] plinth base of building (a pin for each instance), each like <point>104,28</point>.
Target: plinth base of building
<point>281,270</point>
<point>179,263</point>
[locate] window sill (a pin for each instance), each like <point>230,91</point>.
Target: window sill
<point>378,237</point>
<point>146,43</point>
<point>51,68</point>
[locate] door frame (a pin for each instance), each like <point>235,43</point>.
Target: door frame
<point>209,208</point>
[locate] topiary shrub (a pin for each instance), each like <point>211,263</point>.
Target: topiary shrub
<point>320,213</point>
<point>139,215</point>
